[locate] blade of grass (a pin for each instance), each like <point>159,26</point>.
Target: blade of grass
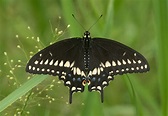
<point>109,18</point>
<point>11,98</point>
<point>133,96</point>
<point>161,13</point>
<point>93,105</point>
<point>138,94</point>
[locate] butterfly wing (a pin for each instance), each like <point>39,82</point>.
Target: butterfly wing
<point>110,58</point>
<point>61,59</point>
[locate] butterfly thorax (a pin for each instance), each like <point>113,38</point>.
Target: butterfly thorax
<point>86,40</point>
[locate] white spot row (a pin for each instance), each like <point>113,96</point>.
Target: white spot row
<point>56,63</point>
<point>94,88</point>
<point>42,69</point>
<point>77,71</point>
<point>74,88</point>
<point>95,71</point>
<point>119,63</point>
<point>127,69</point>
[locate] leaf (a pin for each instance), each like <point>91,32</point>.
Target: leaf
<point>11,98</point>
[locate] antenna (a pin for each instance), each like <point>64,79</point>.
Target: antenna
<point>90,26</point>
<point>95,22</point>
<point>78,22</point>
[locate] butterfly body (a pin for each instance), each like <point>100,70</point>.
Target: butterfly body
<point>93,61</point>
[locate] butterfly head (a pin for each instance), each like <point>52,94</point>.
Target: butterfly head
<point>86,34</point>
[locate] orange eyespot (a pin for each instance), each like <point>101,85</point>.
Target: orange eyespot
<point>84,82</point>
<point>88,82</point>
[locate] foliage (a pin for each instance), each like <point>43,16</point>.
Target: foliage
<point>26,27</point>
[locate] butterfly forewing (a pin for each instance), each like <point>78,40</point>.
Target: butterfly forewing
<point>118,58</point>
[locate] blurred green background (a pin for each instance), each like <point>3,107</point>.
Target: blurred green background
<point>140,24</point>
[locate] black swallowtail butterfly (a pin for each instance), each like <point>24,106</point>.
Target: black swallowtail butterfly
<point>93,61</point>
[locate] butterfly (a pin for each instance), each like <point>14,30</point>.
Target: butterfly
<point>84,60</point>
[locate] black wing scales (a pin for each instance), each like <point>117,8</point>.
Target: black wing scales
<point>61,59</point>
<point>110,58</point>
